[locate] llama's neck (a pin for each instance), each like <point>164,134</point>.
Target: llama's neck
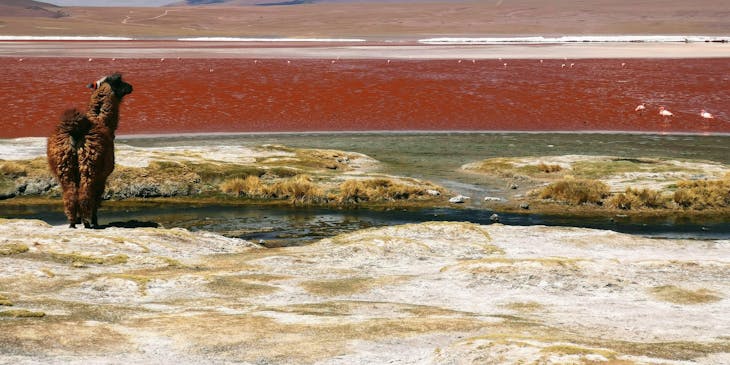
<point>104,108</point>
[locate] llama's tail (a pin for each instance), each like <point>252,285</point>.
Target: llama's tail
<point>75,124</point>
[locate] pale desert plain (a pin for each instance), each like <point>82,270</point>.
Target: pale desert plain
<point>431,292</point>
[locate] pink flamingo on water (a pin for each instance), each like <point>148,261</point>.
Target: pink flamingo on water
<point>706,115</point>
<point>664,112</point>
<point>640,108</point>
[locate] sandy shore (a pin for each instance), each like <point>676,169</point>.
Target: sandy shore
<point>405,50</point>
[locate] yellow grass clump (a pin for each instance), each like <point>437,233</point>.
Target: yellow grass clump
<point>703,194</point>
<point>576,191</point>
<point>249,186</point>
<point>637,198</point>
<point>543,167</point>
<point>12,169</point>
<point>379,190</point>
<point>299,189</point>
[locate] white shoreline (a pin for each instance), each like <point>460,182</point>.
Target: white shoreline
<point>578,39</point>
<point>238,50</point>
<point>432,41</point>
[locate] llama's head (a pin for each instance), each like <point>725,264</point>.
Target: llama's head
<point>119,87</point>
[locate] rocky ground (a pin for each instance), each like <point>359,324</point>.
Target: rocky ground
<point>442,293</point>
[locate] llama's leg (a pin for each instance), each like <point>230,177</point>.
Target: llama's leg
<point>86,202</point>
<point>71,204</point>
<point>98,192</point>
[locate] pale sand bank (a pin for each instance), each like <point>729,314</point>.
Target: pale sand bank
<point>157,49</point>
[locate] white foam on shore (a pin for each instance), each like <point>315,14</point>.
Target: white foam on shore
<point>236,39</point>
<point>61,38</point>
<point>579,39</point>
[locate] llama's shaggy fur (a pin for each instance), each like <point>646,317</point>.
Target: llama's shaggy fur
<point>81,151</point>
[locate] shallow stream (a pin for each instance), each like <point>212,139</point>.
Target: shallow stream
<point>431,156</point>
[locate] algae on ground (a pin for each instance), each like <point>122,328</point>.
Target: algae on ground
<point>677,295</point>
<point>12,249</point>
<point>21,313</point>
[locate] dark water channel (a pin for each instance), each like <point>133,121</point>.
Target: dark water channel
<point>291,226</point>
<point>431,156</point>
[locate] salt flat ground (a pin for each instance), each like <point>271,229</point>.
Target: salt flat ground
<point>438,293</point>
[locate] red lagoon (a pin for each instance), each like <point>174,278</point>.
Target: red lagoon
<point>275,95</point>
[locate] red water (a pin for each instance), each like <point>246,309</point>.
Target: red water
<point>238,95</point>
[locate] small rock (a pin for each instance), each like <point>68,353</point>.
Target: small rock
<point>524,206</point>
<point>494,217</point>
<point>433,192</point>
<point>459,199</point>
<point>492,199</point>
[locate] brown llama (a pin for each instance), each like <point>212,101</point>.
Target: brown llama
<point>81,150</point>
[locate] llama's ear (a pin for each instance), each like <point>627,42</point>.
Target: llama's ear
<point>95,85</point>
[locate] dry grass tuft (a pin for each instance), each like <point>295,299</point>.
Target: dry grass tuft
<point>703,194</point>
<point>543,167</point>
<point>381,190</point>
<point>636,199</point>
<point>12,169</point>
<point>249,186</point>
<point>576,191</point>
<point>677,295</point>
<point>299,189</point>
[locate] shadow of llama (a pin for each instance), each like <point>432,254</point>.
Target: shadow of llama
<point>81,150</point>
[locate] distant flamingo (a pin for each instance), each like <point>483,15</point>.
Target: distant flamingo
<point>664,112</point>
<point>706,115</point>
<point>640,108</point>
